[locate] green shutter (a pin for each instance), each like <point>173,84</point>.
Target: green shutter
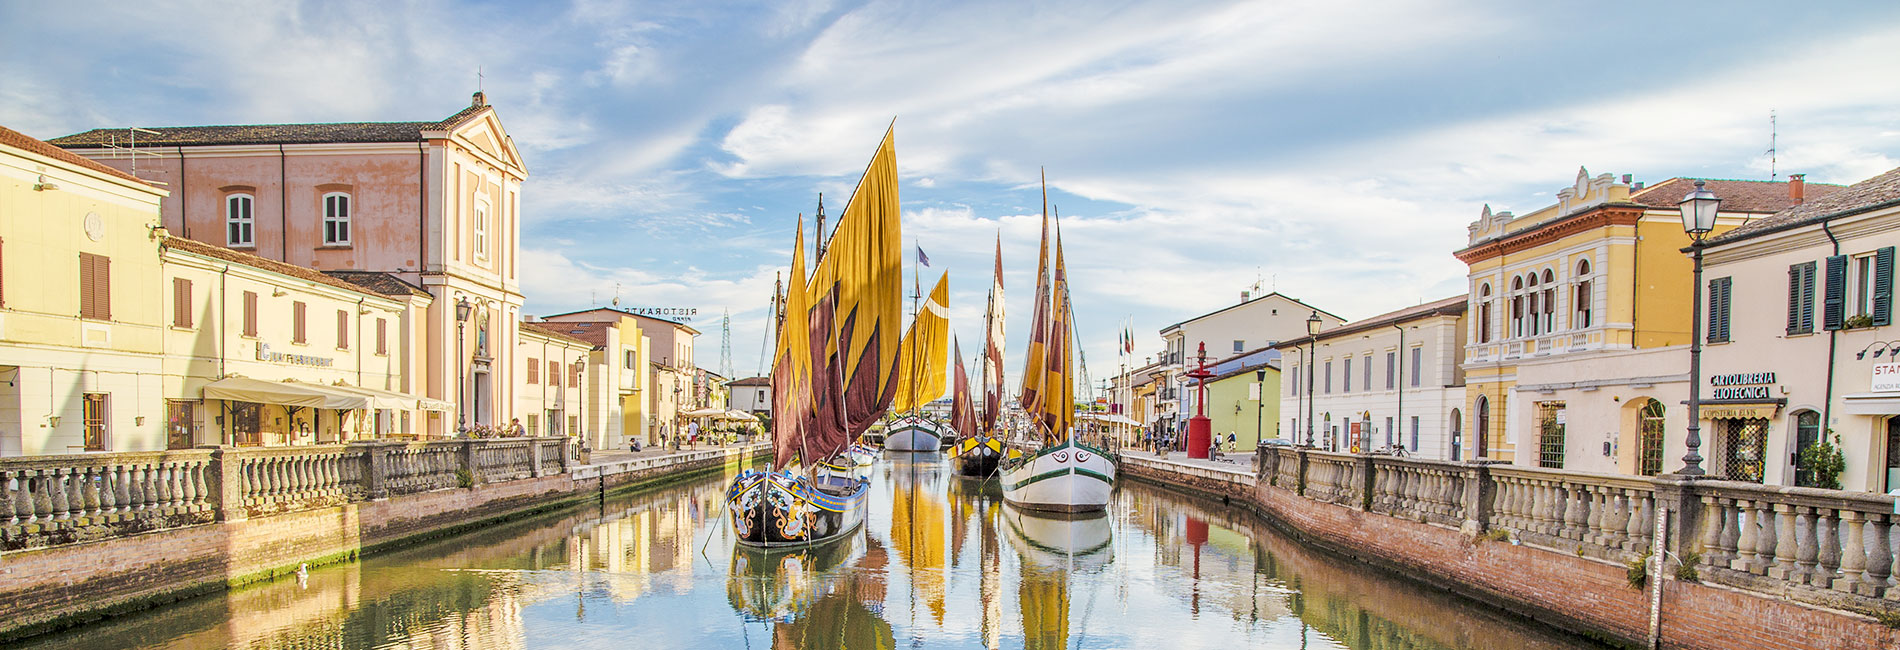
<point>1883,285</point>
<point>1834,293</point>
<point>1718,327</point>
<point>1794,299</point>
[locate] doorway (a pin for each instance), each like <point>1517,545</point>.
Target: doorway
<point>1652,425</point>
<point>1893,453</point>
<point>179,424</point>
<point>1807,431</point>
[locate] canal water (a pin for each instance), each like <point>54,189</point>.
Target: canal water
<point>941,563</point>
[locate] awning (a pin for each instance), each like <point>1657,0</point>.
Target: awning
<point>1871,403</point>
<point>389,399</point>
<point>1111,418</point>
<point>285,393</point>
<point>738,416</point>
<point>705,412</point>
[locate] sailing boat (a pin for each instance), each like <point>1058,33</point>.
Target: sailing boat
<point>1064,475</point>
<point>920,381</point>
<point>978,450</point>
<point>834,372</point>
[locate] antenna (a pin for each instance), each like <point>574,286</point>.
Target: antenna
<point>616,301</point>
<point>725,344</point>
<point>478,78</point>
<point>1773,132</point>
<point>130,150</point>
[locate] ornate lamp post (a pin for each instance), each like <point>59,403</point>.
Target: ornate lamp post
<point>462,309</point>
<point>1312,341</point>
<point>1698,218</point>
<point>1199,427</point>
<point>1259,406</point>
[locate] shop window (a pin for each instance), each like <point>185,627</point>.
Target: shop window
<point>1550,439</point>
<point>1649,453</point>
<point>336,219</point>
<point>1744,443</point>
<point>94,408</point>
<point>247,424</point>
<point>179,422</point>
<point>1893,454</point>
<point>1807,431</point>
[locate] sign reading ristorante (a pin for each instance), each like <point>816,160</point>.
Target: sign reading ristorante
<point>264,353</point>
<point>675,313</point>
<point>1742,385</point>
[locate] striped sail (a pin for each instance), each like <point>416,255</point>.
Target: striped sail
<point>921,379</point>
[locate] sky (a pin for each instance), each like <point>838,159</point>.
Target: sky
<point>1332,151</point>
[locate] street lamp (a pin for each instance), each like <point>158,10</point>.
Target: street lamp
<point>1698,218</point>
<point>1259,406</point>
<point>462,309</point>
<point>1312,338</point>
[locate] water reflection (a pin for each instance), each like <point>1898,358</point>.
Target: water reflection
<point>942,562</point>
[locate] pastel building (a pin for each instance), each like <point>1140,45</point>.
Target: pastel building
<point>558,370</point>
<point>1255,322</point>
<point>1394,380</point>
<point>1576,349</point>
<point>654,379</point>
<point>1801,341</point>
<point>435,204</point>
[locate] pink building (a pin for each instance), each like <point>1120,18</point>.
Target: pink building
<point>436,204</point>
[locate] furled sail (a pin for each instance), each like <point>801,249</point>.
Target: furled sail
<point>921,379</point>
<point>857,305</point>
<point>1035,371</point>
<point>993,348</point>
<point>1058,401</point>
<point>962,407</point>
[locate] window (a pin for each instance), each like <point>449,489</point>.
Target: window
<point>1582,302</point>
<point>1366,377</point>
<point>533,420</point>
<point>1550,424</point>
<point>1414,446</point>
<point>554,373</point>
<point>1484,313</point>
<point>574,424</point>
<point>1649,455</point>
<point>336,219</point>
<point>1240,346</point>
<point>3,298</point>
<point>95,287</point>
<point>1807,431</point>
<point>628,364</point>
<point>1719,296</point>
<point>181,302</point>
<point>180,423</point>
<point>298,331</point>
<point>1860,288</point>
<point>1745,443</point>
<point>1517,307</point>
<point>574,375</point>
<point>534,370</point>
<point>382,336</point>
<point>1549,316</point>
<point>1346,377</point>
<point>1418,361</point>
<point>1329,378</point>
<point>1294,386</point>
<point>481,230</point>
<point>1389,433</point>
<point>95,416</point>
<point>238,221</point>
<point>1457,435</point>
<point>1482,409</point>
<point>250,314</point>
<point>1801,298</point>
<point>342,329</point>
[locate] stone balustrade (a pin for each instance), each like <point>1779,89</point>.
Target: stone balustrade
<point>1827,547</point>
<point>50,500</point>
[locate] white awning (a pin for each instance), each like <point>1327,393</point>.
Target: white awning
<point>738,416</point>
<point>705,412</point>
<point>389,399</point>
<point>285,393</point>
<point>1871,403</point>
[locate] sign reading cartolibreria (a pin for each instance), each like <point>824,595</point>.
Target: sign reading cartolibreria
<point>1742,385</point>
<point>1886,378</point>
<point>264,353</point>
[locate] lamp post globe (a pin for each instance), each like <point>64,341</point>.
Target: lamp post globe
<point>1698,209</point>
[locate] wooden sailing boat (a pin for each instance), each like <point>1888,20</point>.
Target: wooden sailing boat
<point>978,450</point>
<point>1064,475</point>
<point>834,373</point>
<point>921,378</point>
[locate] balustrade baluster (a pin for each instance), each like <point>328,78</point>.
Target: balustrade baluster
<point>108,476</point>
<point>142,486</point>
<point>1786,543</point>
<point>1880,557</point>
<point>60,493</point>
<point>1806,548</point>
<point>1747,538</point>
<point>1577,515</point>
<point>1853,552</point>
<point>1828,537</point>
<point>167,484</point>
<point>122,487</point>
<point>10,489</point>
<point>1714,526</point>
<point>1767,528</point>
<point>42,494</point>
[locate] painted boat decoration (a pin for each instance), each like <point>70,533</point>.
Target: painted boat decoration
<point>978,457</point>
<point>1068,477</point>
<point>774,509</point>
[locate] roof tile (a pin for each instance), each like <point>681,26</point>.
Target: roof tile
<point>1873,191</point>
<point>17,140</point>
<point>240,134</point>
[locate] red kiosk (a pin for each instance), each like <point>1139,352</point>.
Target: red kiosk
<point>1199,427</point>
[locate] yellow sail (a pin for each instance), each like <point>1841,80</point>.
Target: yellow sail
<point>921,377</point>
<point>1035,358</point>
<point>863,264</point>
<point>1058,402</point>
<point>792,362</point>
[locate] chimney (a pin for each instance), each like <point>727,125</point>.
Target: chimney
<point>1637,186</point>
<point>479,100</point>
<point>1245,295</point>
<point>1797,187</point>
<point>1626,178</point>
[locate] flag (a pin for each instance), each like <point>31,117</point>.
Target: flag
<point>922,259</point>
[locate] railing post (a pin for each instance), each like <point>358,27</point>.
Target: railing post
<point>534,457</point>
<point>1475,502</point>
<point>1304,465</point>
<point>375,466</point>
<point>1677,494</point>
<point>1365,483</point>
<point>227,496</point>
<point>468,462</point>
<point>567,457</point>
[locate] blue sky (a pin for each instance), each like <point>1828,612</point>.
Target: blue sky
<point>1335,150</point>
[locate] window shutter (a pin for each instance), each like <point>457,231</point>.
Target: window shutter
<point>1719,296</point>
<point>85,285</point>
<point>1834,288</point>
<point>1807,297</point>
<point>1883,286</point>
<point>382,336</point>
<point>250,313</point>
<point>3,274</point>
<point>181,302</point>
<point>103,277</point>
<point>342,329</point>
<point>297,311</point>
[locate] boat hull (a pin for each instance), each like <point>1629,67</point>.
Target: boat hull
<point>977,457</point>
<point>913,435</point>
<point>779,509</point>
<point>1063,478</point>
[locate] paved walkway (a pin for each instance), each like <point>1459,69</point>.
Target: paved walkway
<point>1235,462</point>
<point>601,456</point>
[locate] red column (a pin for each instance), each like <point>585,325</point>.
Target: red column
<point>1199,427</point>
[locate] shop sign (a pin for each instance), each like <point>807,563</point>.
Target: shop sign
<point>264,353</point>
<point>681,314</point>
<point>1886,378</point>
<point>1742,385</point>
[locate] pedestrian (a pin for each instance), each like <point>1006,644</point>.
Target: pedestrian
<point>1231,443</point>
<point>514,428</point>
<point>692,433</point>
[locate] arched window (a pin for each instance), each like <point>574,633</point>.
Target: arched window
<point>1649,454</point>
<point>1549,315</point>
<point>336,219</point>
<point>1517,306</point>
<point>1582,302</point>
<point>1807,431</point>
<point>1484,313</point>
<point>238,221</point>
<point>1481,444</point>
<point>1457,434</point>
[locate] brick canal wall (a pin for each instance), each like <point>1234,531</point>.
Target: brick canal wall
<point>48,588</point>
<point>1584,595</point>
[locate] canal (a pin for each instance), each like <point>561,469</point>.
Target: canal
<point>942,563</point>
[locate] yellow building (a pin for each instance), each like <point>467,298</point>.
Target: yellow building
<point>556,367</point>
<point>81,312</point>
<point>651,375</point>
<point>1580,314</point>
